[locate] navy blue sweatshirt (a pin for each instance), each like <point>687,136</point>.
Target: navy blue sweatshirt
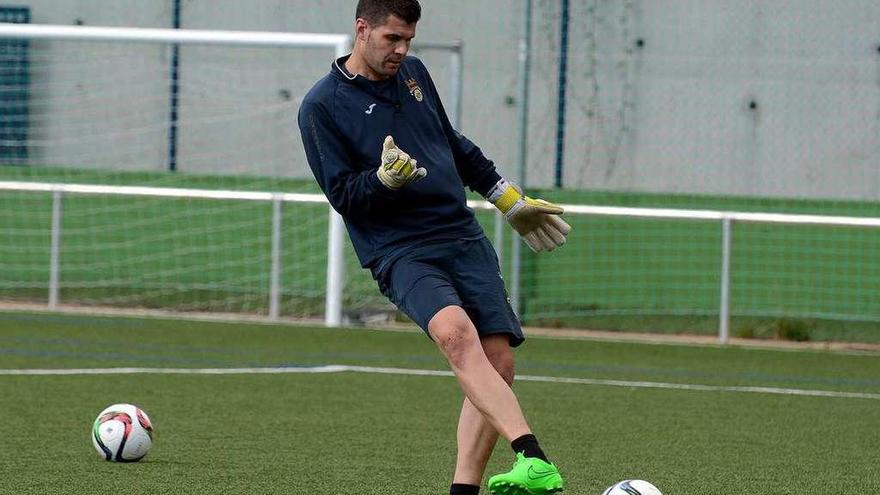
<point>344,120</point>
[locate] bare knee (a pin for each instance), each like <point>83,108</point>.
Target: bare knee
<point>454,334</point>
<point>499,353</point>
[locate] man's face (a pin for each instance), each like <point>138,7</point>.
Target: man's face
<point>385,45</point>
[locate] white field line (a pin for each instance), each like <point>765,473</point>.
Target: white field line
<point>174,371</point>
<point>421,372</point>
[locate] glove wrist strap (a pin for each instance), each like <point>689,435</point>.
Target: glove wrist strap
<point>504,196</point>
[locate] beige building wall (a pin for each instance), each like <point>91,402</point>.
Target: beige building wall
<point>747,98</point>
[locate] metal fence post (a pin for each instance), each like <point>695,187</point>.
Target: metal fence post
<point>335,270</point>
<point>523,70</point>
<point>275,271</point>
<point>55,250</point>
<point>724,310</point>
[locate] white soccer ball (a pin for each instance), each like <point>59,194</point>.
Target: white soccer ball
<point>123,433</point>
<point>632,487</point>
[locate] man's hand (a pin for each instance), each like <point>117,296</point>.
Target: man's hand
<point>398,168</point>
<point>537,221</point>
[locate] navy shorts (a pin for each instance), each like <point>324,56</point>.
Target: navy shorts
<point>461,273</point>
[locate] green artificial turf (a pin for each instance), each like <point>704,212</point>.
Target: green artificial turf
<point>367,433</point>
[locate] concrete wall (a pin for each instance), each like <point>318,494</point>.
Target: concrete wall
<point>489,73</point>
<point>98,105</point>
<point>752,98</point>
<point>675,114</point>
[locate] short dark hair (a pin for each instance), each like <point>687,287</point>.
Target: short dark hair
<point>376,12</point>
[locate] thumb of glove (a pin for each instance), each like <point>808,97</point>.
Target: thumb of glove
<point>388,144</point>
<point>389,150</point>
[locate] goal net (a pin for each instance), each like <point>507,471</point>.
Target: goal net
<point>194,110</point>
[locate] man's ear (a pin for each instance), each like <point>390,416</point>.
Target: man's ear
<point>360,29</point>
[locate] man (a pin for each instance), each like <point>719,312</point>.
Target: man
<point>383,151</point>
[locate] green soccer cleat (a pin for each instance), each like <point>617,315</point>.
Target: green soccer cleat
<point>529,476</point>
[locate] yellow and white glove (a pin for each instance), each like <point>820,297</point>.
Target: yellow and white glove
<point>398,168</point>
<point>537,221</point>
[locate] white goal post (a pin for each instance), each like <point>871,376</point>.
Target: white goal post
<point>340,43</point>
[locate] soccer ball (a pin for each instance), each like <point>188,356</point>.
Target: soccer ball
<point>123,433</point>
<point>632,487</point>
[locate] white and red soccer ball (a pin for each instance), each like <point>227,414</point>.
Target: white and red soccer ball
<point>122,433</point>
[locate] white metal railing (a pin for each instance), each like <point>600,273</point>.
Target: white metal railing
<point>726,218</point>
<point>335,261</point>
<point>335,242</point>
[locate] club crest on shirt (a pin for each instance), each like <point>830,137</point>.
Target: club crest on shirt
<point>414,89</point>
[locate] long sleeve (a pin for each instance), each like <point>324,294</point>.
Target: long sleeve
<point>343,121</point>
<point>352,191</point>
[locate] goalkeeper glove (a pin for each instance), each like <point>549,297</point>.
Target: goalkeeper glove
<point>537,221</point>
<point>398,168</point>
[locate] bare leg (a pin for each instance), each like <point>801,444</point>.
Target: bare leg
<point>486,390</point>
<point>476,436</point>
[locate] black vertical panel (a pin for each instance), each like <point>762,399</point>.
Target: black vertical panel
<point>175,94</point>
<point>14,90</point>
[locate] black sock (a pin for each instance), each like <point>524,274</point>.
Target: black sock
<point>528,445</point>
<point>462,489</point>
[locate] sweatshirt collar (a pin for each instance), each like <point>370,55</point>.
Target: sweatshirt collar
<point>339,71</point>
<point>339,68</point>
